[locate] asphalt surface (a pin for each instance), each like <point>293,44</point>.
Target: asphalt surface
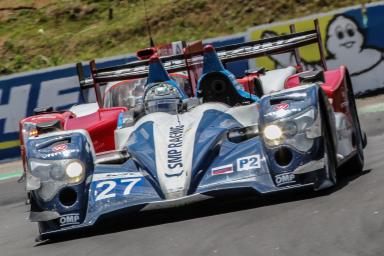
<point>346,220</point>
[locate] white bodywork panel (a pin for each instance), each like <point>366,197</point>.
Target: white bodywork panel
<point>175,134</point>
<point>84,109</point>
<point>246,115</point>
<point>274,80</point>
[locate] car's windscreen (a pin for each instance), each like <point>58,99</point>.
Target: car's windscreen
<point>129,93</point>
<point>125,94</point>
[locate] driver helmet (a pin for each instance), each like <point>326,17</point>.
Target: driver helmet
<point>162,97</point>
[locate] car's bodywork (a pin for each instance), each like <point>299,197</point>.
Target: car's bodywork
<point>294,136</point>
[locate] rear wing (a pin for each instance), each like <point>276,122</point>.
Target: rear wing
<point>183,62</point>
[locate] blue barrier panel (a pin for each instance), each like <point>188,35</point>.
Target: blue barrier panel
<point>20,94</point>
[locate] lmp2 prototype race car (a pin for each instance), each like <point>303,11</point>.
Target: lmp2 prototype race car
<point>268,131</point>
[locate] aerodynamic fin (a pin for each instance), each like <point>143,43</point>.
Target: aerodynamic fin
<point>157,72</point>
<point>219,84</point>
<point>212,63</point>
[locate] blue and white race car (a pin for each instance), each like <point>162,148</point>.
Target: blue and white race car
<point>173,148</point>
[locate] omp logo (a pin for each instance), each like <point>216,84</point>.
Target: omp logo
<point>284,178</point>
<point>69,219</point>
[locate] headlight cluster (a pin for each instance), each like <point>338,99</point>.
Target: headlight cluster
<point>55,174</point>
<point>67,170</point>
<point>297,130</point>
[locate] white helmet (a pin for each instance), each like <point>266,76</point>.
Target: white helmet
<point>162,97</point>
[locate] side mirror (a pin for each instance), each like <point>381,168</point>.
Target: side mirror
<point>312,77</point>
<point>43,110</point>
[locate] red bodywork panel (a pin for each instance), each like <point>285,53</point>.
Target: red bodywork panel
<point>42,118</point>
<point>335,87</point>
<point>248,83</point>
<point>100,126</point>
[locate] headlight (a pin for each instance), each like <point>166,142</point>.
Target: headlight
<point>273,132</point>
<point>298,130</point>
<point>290,129</point>
<point>55,174</point>
<point>75,171</point>
<point>66,170</point>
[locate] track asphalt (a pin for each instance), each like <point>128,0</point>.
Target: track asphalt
<point>344,221</point>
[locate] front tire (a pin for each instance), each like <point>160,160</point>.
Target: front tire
<point>356,164</point>
<point>330,161</point>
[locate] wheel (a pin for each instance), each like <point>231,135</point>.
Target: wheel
<point>330,160</point>
<point>359,139</point>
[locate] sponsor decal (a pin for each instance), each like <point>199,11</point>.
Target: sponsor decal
<point>69,219</point>
<point>115,175</point>
<point>48,116</point>
<point>225,169</point>
<point>60,148</point>
<point>281,106</point>
<point>284,178</point>
<point>281,111</point>
<point>60,153</point>
<point>175,151</point>
<point>112,188</point>
<point>248,163</point>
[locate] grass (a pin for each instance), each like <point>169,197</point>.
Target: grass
<point>44,33</point>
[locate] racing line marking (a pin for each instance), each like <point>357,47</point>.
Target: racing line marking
<point>372,108</point>
<point>6,176</point>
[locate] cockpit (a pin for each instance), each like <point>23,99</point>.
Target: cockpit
<point>130,93</point>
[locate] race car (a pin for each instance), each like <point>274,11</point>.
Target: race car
<point>174,149</point>
<point>98,118</point>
